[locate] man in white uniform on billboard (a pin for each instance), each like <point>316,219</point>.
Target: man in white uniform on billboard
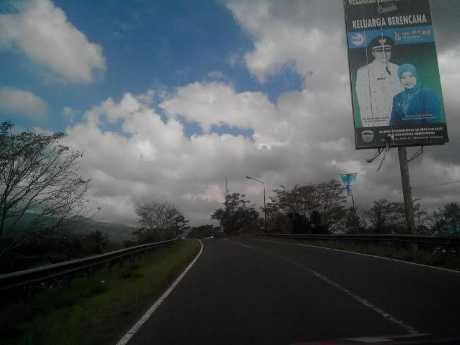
<point>376,84</point>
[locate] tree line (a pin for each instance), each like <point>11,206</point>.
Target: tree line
<point>321,209</point>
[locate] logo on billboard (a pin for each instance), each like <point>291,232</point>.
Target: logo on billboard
<point>367,136</point>
<point>391,7</point>
<point>358,39</point>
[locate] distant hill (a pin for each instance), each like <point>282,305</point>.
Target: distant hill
<point>83,225</point>
<point>115,232</point>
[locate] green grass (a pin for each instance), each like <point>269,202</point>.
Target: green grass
<point>97,309</point>
<point>421,256</point>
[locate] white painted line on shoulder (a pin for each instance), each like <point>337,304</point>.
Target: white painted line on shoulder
<point>127,337</point>
<point>393,337</point>
<point>388,338</point>
<point>409,329</point>
<point>370,340</point>
<point>368,255</point>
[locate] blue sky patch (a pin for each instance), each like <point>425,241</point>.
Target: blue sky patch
<point>146,45</point>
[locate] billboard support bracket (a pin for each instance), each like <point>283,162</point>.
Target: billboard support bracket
<point>416,155</point>
<point>373,158</point>
<point>381,151</point>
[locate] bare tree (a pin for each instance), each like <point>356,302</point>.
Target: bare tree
<point>352,222</point>
<point>237,215</point>
<point>319,205</point>
<point>39,176</point>
<point>299,200</point>
<point>447,219</point>
<point>159,219</point>
<point>386,217</point>
<point>331,200</point>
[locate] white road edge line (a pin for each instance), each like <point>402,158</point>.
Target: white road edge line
<point>390,337</point>
<point>127,337</point>
<point>369,255</point>
<point>409,329</point>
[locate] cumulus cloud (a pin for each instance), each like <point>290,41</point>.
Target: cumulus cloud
<point>151,157</point>
<point>218,104</point>
<point>42,32</point>
<point>304,34</point>
<point>22,102</point>
<point>309,35</point>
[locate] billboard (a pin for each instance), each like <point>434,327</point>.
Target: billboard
<point>394,74</point>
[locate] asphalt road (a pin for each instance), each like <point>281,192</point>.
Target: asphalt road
<point>247,291</point>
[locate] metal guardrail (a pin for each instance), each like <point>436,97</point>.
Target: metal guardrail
<point>432,241</point>
<point>42,274</point>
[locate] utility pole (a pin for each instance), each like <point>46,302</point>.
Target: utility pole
<point>406,188</point>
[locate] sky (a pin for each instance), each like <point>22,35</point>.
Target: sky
<point>167,99</point>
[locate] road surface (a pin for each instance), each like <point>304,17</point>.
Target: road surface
<point>252,291</point>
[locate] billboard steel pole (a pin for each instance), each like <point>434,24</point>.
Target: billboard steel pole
<point>406,189</point>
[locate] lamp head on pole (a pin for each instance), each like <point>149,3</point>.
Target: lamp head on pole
<point>255,179</point>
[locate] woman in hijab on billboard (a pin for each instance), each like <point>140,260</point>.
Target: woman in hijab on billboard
<point>416,105</point>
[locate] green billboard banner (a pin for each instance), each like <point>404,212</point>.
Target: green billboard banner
<point>394,74</point>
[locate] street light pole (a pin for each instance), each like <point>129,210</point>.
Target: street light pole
<point>265,213</point>
<point>265,207</point>
<point>353,201</point>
